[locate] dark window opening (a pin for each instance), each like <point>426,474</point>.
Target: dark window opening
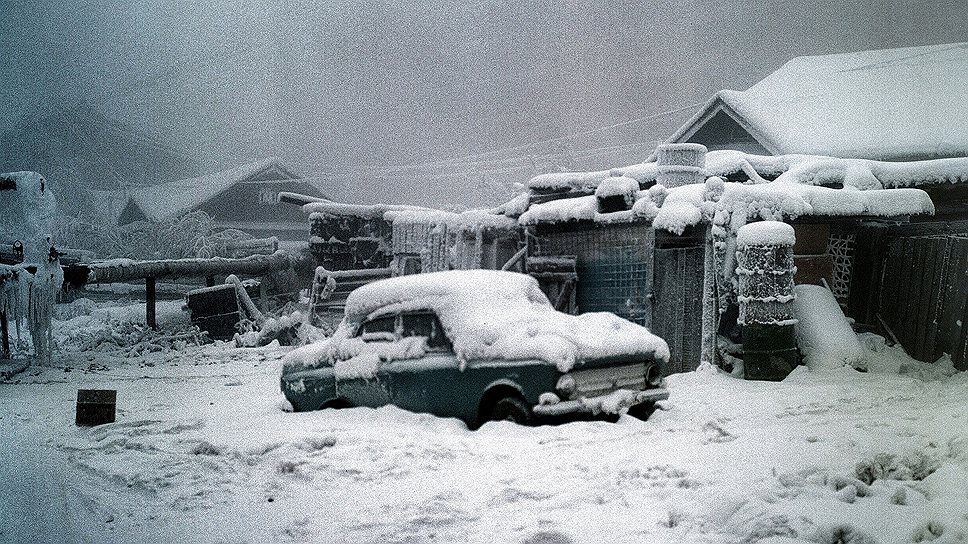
<point>427,325</point>
<point>386,325</point>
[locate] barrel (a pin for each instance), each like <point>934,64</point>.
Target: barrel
<point>765,269</point>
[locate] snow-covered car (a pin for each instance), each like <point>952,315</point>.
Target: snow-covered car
<point>477,345</point>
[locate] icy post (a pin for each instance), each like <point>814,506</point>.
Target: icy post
<point>765,269</point>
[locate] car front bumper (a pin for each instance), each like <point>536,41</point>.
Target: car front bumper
<point>611,403</point>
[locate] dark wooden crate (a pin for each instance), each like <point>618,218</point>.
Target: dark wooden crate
<point>209,301</point>
<point>95,407</point>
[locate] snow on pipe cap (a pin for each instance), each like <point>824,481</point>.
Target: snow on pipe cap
<point>687,154</point>
<point>765,233</point>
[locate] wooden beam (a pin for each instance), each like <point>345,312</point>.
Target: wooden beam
<point>120,270</point>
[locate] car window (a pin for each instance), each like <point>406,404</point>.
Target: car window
<point>381,329</point>
<point>427,325</point>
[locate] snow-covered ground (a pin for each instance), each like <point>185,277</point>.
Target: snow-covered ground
<point>203,452</point>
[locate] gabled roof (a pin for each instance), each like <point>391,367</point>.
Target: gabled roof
<point>892,104</point>
<point>168,200</point>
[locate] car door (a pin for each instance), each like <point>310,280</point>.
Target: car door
<point>354,381</point>
<point>416,384</point>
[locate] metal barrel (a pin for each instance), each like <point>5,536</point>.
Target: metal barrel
<point>765,270</point>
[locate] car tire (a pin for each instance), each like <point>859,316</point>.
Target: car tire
<point>642,411</point>
<point>512,409</point>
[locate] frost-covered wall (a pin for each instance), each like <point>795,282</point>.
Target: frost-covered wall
<point>28,291</point>
<point>442,240</point>
<point>27,213</point>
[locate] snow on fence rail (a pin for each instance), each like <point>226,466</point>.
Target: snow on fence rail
<point>120,270</point>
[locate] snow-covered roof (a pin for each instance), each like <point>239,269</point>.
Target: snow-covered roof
<point>364,211</point>
<point>811,169</point>
<point>488,315</point>
<point>801,185</point>
<point>467,220</point>
<point>891,104</point>
<point>169,200</point>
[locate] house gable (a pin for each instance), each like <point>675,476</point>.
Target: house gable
<point>722,131</point>
<point>131,213</point>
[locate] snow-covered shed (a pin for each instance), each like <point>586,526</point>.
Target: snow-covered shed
<point>351,236</point>
<point>652,241</point>
<point>892,105</point>
<point>244,198</point>
<point>433,240</point>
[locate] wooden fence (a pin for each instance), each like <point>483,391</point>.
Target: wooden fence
<point>924,296</point>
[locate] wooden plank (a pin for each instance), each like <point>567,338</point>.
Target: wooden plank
<point>941,247</point>
<point>897,272</point>
<point>960,356</point>
<point>150,303</point>
<point>925,280</point>
<point>5,333</point>
<point>912,290</point>
<point>865,280</point>
<point>956,298</point>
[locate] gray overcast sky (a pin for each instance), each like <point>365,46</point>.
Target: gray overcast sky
<point>328,85</point>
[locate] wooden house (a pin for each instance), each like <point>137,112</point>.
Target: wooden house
<point>244,198</point>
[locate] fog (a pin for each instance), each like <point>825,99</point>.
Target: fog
<point>351,91</point>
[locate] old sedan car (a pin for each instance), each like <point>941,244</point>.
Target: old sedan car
<point>476,345</point>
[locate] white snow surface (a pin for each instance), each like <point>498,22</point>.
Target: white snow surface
<point>806,169</point>
<point>618,186</point>
<point>365,211</point>
<point>203,451</point>
<point>765,233</point>
<point>487,315</point>
<point>824,335</point>
<point>471,220</point>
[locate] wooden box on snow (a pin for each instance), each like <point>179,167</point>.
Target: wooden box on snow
<point>215,310</point>
<point>95,407</point>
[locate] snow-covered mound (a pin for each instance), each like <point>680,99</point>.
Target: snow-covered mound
<point>487,315</point>
<point>823,332</point>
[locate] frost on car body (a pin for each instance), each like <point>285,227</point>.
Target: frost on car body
<point>476,345</point>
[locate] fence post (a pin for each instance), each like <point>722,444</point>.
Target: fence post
<point>5,332</point>
<point>150,302</point>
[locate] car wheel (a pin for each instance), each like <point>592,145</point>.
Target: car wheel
<point>642,411</point>
<point>512,409</point>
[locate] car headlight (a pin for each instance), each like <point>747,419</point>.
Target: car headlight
<point>653,375</point>
<point>566,385</point>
